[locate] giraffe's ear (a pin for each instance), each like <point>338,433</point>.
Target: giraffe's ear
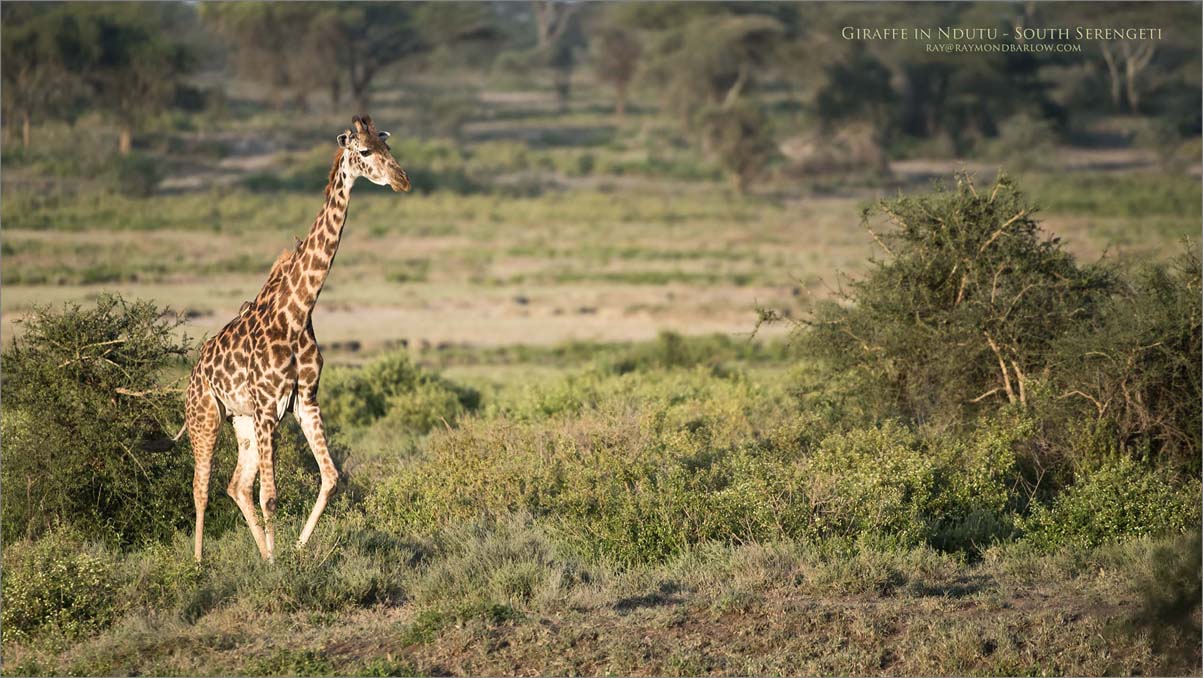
<point>342,141</point>
<point>383,135</point>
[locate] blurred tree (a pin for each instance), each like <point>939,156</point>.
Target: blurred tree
<point>298,46</point>
<point>366,37</point>
<point>739,134</point>
<point>616,54</point>
<point>714,59</point>
<point>858,88</point>
<point>707,61</point>
<point>274,46</point>
<point>35,47</point>
<point>552,19</point>
<point>557,38</point>
<point>1135,68</point>
<point>116,56</point>
<point>132,68</point>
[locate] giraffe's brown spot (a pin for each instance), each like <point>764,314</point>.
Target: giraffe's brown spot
<point>281,353</point>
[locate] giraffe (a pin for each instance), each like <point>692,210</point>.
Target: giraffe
<point>266,360</point>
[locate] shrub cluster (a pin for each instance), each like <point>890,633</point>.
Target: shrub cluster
<point>55,585</point>
<point>636,468</point>
<point>85,424</point>
<point>66,585</point>
<point>1116,499</point>
<point>975,310</point>
<point>392,388</point>
<point>961,315</point>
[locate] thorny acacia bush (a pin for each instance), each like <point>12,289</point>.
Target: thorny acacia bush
<point>974,311</point>
<point>1135,370</point>
<point>85,424</point>
<point>962,314</point>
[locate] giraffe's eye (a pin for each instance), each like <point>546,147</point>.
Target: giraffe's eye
<point>365,153</point>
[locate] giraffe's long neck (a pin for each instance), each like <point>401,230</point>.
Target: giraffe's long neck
<point>314,256</point>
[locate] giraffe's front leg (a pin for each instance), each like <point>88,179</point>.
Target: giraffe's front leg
<point>310,419</point>
<point>264,427</point>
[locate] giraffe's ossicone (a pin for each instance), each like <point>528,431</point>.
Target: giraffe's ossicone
<point>266,360</point>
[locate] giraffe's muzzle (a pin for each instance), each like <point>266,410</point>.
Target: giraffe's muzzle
<point>400,180</point>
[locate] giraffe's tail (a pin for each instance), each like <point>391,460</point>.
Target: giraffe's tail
<point>180,433</point>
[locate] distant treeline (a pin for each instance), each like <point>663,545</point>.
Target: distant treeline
<point>727,72</point>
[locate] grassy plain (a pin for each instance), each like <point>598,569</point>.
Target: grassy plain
<point>531,226</point>
<point>535,265</point>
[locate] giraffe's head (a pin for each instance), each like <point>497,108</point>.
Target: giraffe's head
<point>365,154</point>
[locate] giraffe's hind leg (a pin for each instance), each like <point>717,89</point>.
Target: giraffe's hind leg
<point>203,416</point>
<point>264,426</point>
<point>242,485</point>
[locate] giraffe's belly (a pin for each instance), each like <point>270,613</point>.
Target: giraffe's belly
<point>239,401</point>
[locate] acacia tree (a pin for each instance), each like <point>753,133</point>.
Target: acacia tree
<point>739,134</point>
<point>557,36</point>
<point>708,61</point>
<point>132,68</point>
<point>34,54</point>
<point>616,54</point>
<point>859,89</point>
<point>963,312</point>
<point>713,59</point>
<point>274,44</point>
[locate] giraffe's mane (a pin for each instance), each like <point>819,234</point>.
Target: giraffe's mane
<point>334,167</point>
<point>279,268</point>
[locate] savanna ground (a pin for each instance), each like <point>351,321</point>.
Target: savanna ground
<point>564,451</point>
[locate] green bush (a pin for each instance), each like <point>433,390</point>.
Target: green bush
<point>885,486</point>
<point>639,467</point>
<point>961,315</point>
<point>740,135</point>
<point>1024,142</point>
<point>137,175</point>
<point>58,584</point>
<point>1119,498</point>
<point>630,468</point>
<point>1135,371</point>
<point>391,386</point>
<point>86,421</point>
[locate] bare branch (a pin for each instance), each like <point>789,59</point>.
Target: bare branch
<point>1102,408</point>
<point>986,394</point>
<point>1002,366</point>
<point>878,241</point>
<point>996,234</point>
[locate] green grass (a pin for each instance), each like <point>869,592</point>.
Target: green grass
<point>610,515</point>
<point>1136,195</point>
<point>499,597</point>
